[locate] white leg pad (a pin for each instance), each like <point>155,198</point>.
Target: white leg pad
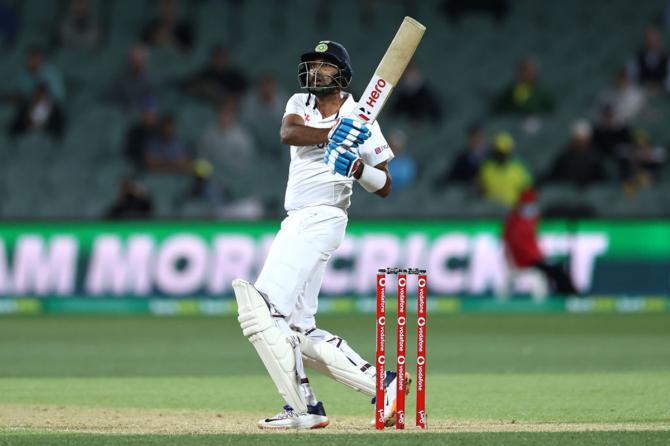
<point>271,344</point>
<point>326,358</point>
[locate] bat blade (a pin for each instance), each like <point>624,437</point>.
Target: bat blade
<point>390,69</point>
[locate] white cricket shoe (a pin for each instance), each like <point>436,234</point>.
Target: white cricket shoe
<point>314,418</point>
<point>390,397</point>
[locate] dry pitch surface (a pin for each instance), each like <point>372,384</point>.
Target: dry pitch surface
<point>15,418</point>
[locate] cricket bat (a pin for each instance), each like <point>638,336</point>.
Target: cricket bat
<point>390,69</point>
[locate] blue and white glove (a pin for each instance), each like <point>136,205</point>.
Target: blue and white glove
<point>341,160</point>
<point>348,132</point>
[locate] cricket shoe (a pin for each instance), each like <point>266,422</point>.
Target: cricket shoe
<point>314,418</point>
<point>391,397</point>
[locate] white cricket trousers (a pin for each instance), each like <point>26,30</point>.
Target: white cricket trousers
<point>293,271</point>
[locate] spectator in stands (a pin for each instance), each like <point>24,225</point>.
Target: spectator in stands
<point>226,143</point>
<point>609,134</point>
<point>133,202</point>
<point>641,162</point>
<point>403,166</point>
<point>522,247</point>
<point>39,112</point>
<point>415,98</point>
<point>203,187</point>
<point>502,177</point>
<point>625,97</point>
<point>168,30</point>
<point>79,29</point>
<point>465,166</point>
<point>9,22</point>
<point>261,108</point>
<point>38,72</point>
<point>651,65</point>
<point>218,80</point>
<point>131,87</point>
<point>456,9</point>
<point>166,151</point>
<point>578,164</point>
<point>524,96</point>
<point>142,133</point>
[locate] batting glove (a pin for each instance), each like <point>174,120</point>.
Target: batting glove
<point>341,160</point>
<point>348,132</point>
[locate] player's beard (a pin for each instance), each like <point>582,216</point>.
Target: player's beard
<point>324,92</point>
<point>318,87</point>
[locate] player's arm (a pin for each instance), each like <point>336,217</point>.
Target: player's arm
<point>373,177</point>
<point>294,132</point>
<point>346,131</point>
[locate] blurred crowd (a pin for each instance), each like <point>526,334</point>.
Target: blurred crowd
<point>605,148</point>
<point>244,105</point>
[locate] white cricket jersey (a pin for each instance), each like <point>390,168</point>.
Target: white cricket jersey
<point>310,182</point>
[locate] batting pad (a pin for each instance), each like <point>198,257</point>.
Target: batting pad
<point>325,358</point>
<point>270,343</point>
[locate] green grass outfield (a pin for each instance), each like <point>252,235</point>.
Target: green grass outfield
<point>503,379</point>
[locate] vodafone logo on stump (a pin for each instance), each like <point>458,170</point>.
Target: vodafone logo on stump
<point>401,348</point>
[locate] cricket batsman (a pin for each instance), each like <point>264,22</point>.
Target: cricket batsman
<point>330,150</point>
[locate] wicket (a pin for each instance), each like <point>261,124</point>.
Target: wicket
<point>401,348</point>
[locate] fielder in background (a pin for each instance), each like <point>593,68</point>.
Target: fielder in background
<point>330,150</point>
<point>523,248</point>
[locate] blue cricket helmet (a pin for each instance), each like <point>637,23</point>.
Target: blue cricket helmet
<point>334,53</point>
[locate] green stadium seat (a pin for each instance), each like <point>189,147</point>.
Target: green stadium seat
<point>197,209</point>
<point>21,185</point>
<point>193,117</point>
<point>165,190</point>
<point>97,133</point>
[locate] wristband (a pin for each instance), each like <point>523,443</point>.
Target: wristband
<point>372,179</point>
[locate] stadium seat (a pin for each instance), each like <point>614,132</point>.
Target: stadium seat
<point>165,189</point>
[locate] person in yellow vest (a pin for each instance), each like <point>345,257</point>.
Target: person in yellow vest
<point>502,177</point>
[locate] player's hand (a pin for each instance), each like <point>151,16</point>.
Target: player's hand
<point>341,160</point>
<point>348,132</point>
